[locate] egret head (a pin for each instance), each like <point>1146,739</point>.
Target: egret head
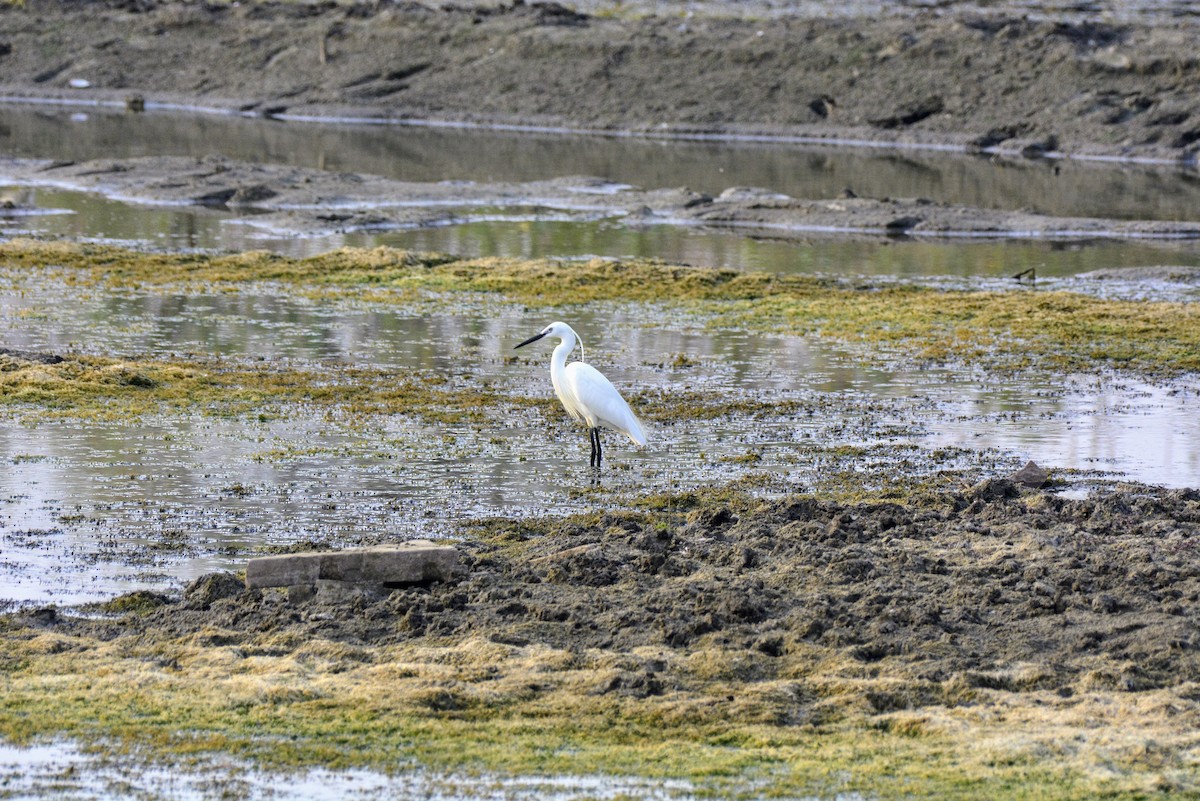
<point>556,329</point>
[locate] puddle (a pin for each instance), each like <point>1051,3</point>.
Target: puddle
<point>63,772</point>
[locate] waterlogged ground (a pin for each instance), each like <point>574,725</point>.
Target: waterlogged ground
<point>796,588</point>
<point>815,583</point>
<point>228,421</point>
<point>27,772</point>
<point>1164,269</point>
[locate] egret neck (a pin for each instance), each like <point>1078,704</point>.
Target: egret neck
<point>558,365</point>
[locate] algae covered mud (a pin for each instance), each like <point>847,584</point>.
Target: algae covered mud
<point>802,593</point>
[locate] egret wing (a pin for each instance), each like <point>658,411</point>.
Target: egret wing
<point>599,403</point>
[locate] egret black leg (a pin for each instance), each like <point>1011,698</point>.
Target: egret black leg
<point>599,451</point>
<point>595,459</point>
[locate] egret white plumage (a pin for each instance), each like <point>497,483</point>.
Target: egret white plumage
<point>585,393</point>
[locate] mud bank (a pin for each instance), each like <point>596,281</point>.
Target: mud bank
<point>316,202</point>
<point>1097,593</point>
<point>1010,77</point>
<point>797,644</point>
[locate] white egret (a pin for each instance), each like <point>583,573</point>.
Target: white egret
<point>585,393</point>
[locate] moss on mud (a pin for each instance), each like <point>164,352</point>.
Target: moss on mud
<point>100,388</point>
<point>480,706</point>
<point>996,330</point>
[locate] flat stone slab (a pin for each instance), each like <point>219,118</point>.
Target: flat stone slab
<point>411,562</point>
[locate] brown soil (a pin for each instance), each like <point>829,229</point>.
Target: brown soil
<point>994,586</point>
<point>981,76</point>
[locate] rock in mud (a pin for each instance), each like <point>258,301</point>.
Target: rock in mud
<point>38,357</point>
<point>1031,475</point>
<point>412,562</point>
<point>238,196</point>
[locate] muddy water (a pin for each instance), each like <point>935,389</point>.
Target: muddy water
<point>89,508</point>
<point>438,154</point>
<point>29,772</point>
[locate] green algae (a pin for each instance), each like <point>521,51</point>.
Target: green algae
<point>94,387</point>
<point>1003,331</point>
<point>136,602</point>
<point>99,388</point>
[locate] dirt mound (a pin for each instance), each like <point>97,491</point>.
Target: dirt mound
<point>991,587</point>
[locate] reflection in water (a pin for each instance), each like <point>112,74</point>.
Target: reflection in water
<point>423,154</point>
<point>436,154</point>
<point>90,508</point>
<point>93,217</point>
<point>829,256</point>
<point>27,771</point>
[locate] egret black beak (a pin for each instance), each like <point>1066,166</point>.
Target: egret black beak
<point>534,338</point>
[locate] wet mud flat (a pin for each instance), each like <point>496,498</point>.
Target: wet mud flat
<point>956,639</point>
<point>1090,594</point>
<point>310,202</point>
<point>965,640</point>
<point>1105,81</point>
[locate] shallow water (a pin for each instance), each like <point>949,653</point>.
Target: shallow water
<point>61,771</point>
<point>91,508</point>
<point>535,234</point>
<point>437,154</point>
<point>429,154</point>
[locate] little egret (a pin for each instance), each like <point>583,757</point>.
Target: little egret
<point>585,393</point>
